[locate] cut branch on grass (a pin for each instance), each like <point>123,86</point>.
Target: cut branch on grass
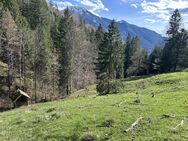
<point>119,105</point>
<point>167,116</point>
<point>173,116</point>
<point>135,124</point>
<point>178,126</point>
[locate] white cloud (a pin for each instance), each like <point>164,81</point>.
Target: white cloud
<point>131,1</point>
<point>150,21</point>
<point>162,8</point>
<point>163,17</point>
<point>63,4</point>
<point>185,22</point>
<point>92,5</point>
<point>124,1</point>
<point>134,5</point>
<point>185,14</point>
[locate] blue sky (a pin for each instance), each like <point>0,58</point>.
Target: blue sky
<point>152,14</point>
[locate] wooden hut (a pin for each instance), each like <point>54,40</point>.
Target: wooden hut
<point>21,99</point>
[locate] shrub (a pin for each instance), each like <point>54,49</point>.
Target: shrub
<point>113,88</point>
<point>88,138</point>
<point>185,70</point>
<point>108,123</point>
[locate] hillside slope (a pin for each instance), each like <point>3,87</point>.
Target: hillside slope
<point>106,117</point>
<point>149,39</point>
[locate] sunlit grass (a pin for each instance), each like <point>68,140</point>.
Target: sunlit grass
<point>85,113</point>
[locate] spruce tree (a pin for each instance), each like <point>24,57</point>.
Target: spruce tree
<point>183,42</point>
<point>139,64</point>
<point>171,50</point>
<point>132,45</point>
<point>99,34</point>
<point>117,51</point>
<point>128,54</point>
<point>102,67</point>
<point>155,60</point>
<point>110,60</point>
<point>135,44</point>
<point>66,45</point>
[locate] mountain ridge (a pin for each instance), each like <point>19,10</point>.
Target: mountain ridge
<point>148,38</point>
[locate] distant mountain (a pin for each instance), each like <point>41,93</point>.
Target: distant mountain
<point>149,39</point>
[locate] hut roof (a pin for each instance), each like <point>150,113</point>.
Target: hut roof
<point>23,93</point>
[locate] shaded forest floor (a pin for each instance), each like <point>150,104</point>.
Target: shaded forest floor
<point>85,115</point>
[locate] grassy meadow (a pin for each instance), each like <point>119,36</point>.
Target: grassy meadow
<point>84,115</point>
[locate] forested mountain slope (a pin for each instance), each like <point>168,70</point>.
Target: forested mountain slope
<point>34,43</point>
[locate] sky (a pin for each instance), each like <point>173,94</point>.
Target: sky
<point>151,14</point>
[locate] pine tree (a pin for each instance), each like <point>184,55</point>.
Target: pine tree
<point>175,24</point>
<point>110,60</point>
<point>183,42</point>
<point>117,51</point>
<point>99,34</point>
<point>33,16</point>
<point>66,43</point>
<point>155,60</point>
<point>132,45</point>
<point>139,64</point>
<point>135,44</point>
<point>102,67</point>
<point>120,59</point>
<point>171,50</point>
<point>128,54</point>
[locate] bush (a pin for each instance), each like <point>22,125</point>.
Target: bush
<point>137,101</point>
<point>108,123</point>
<point>5,104</point>
<point>185,70</point>
<point>88,138</point>
<point>113,88</point>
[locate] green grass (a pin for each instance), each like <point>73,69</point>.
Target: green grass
<point>84,113</point>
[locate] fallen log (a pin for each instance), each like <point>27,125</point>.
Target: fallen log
<point>135,124</point>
